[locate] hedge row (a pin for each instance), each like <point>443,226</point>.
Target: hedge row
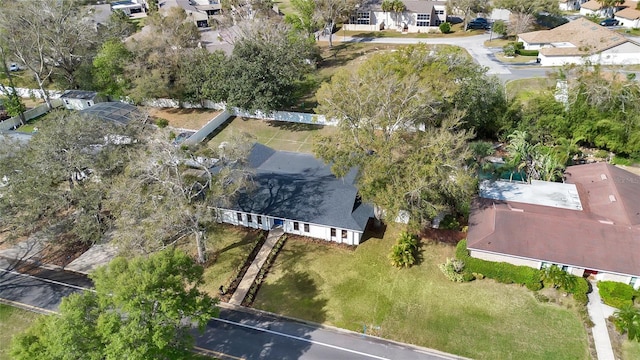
<point>527,52</point>
<point>616,294</point>
<point>500,271</point>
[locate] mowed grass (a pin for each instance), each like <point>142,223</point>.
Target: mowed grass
<point>356,288</point>
<point>526,88</point>
<point>630,350</point>
<point>12,321</point>
<point>229,246</point>
<point>278,135</point>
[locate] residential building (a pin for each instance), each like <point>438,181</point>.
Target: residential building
<point>419,16</point>
<point>299,193</point>
<point>594,8</point>
<point>629,17</point>
<point>570,5</point>
<point>589,225</point>
<point>129,7</point>
<point>80,99</point>
<point>581,41</point>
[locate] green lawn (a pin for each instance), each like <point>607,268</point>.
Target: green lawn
<point>526,88</point>
<point>356,288</point>
<point>630,350</point>
<point>12,321</point>
<point>278,135</point>
<point>515,59</point>
<point>231,245</point>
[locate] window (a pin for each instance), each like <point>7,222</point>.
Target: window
<point>344,234</point>
<point>259,220</point>
<point>306,227</point>
<point>565,268</point>
<point>633,282</point>
<point>239,216</point>
<point>439,12</point>
<point>88,103</point>
<point>296,226</point>
<point>438,22</point>
<point>333,232</point>
<point>363,18</point>
<point>249,219</point>
<point>66,101</point>
<point>423,19</point>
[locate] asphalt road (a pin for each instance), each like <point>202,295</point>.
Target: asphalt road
<point>234,335</point>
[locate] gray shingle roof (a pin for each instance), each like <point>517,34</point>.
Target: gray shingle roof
<point>78,94</point>
<point>300,187</point>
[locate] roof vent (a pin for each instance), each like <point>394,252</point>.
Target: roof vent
<point>612,198</point>
<point>603,176</point>
<point>608,222</point>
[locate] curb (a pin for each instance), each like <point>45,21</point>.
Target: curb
<point>259,312</point>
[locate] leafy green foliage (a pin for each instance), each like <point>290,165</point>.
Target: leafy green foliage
<point>449,222</point>
<point>558,278</point>
<point>453,270</point>
<point>500,28</point>
<point>405,252</point>
<point>445,28</point>
<point>108,68</point>
<point>509,50</point>
<point>499,271</point>
<point>627,320</point>
<point>142,309</point>
<point>13,103</point>
<point>616,294</point>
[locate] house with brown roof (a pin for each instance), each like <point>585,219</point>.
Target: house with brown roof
<point>629,17</point>
<point>594,8</point>
<point>589,225</point>
<point>418,16</point>
<point>581,41</point>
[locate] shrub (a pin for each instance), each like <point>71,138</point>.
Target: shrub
<point>452,269</point>
<point>519,45</point>
<point>481,149</point>
<point>527,52</point>
<point>616,294</point>
<point>445,28</point>
<point>603,154</point>
<point>162,123</point>
<point>580,290</point>
<point>500,271</point>
<point>500,28</point>
<point>449,222</point>
<point>405,252</point>
<point>509,50</point>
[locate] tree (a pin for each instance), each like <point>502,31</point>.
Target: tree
<point>264,70</point>
<point>500,27</point>
<point>61,175</point>
<point>330,11</point>
<point>467,8</point>
<point>167,194</point>
<point>398,7</point>
<point>387,7</point>
<point>627,320</point>
<point>304,19</point>
<point>109,69</point>
<point>141,309</point>
<point>534,160</point>
<point>558,278</point>
<point>380,107</point>
<point>13,105</point>
<point>117,27</point>
<point>524,11</point>
<point>201,76</point>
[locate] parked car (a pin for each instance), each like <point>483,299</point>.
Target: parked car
<point>479,23</point>
<point>13,67</point>
<point>609,22</point>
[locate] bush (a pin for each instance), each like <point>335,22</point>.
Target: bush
<point>580,290</point>
<point>449,222</point>
<point>500,271</point>
<point>500,28</point>
<point>481,149</point>
<point>616,294</point>
<point>509,50</point>
<point>445,28</point>
<point>519,45</point>
<point>162,123</point>
<point>405,252</point>
<point>452,269</point>
<point>603,154</point>
<point>527,52</point>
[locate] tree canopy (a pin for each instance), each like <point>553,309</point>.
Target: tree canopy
<point>400,127</point>
<point>141,309</point>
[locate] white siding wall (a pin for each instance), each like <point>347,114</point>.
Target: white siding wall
<point>395,21</point>
<point>628,23</point>
<point>315,231</point>
<point>528,46</point>
<point>505,258</point>
<point>77,104</point>
<point>603,276</point>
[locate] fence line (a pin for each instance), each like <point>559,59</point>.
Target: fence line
<point>27,93</point>
<point>14,122</point>
<point>210,127</point>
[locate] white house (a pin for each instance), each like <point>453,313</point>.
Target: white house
<point>419,16</point>
<point>628,17</point>
<point>581,41</point>
<point>129,7</point>
<point>571,5</point>
<point>80,99</point>
<point>588,226</point>
<point>593,8</point>
<point>300,194</point>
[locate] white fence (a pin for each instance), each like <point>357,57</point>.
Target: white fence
<point>210,127</point>
<point>39,110</point>
<point>27,93</point>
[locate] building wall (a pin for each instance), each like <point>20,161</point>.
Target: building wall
<point>268,222</point>
<point>603,276</point>
<point>528,46</point>
<point>77,104</point>
<point>628,23</point>
<point>395,21</point>
<point>504,258</point>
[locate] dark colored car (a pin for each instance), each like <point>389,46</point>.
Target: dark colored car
<point>609,22</point>
<point>479,23</point>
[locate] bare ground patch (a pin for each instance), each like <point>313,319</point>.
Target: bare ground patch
<point>192,119</point>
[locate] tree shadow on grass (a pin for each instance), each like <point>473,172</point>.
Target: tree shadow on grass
<point>295,293</point>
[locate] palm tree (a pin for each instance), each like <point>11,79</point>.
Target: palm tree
<point>627,319</point>
<point>398,7</point>
<point>521,154</point>
<point>387,6</point>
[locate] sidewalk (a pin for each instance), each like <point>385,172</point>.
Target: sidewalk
<point>254,268</point>
<point>598,313</point>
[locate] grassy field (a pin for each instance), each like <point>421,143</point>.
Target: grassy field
<point>278,135</point>
<point>630,350</point>
<point>456,31</point>
<point>525,88</point>
<point>12,321</point>
<point>356,288</point>
<point>516,59</point>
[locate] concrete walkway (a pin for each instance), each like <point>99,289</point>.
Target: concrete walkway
<point>254,268</point>
<point>598,313</point>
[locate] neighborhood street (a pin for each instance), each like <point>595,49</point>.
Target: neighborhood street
<point>234,335</point>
